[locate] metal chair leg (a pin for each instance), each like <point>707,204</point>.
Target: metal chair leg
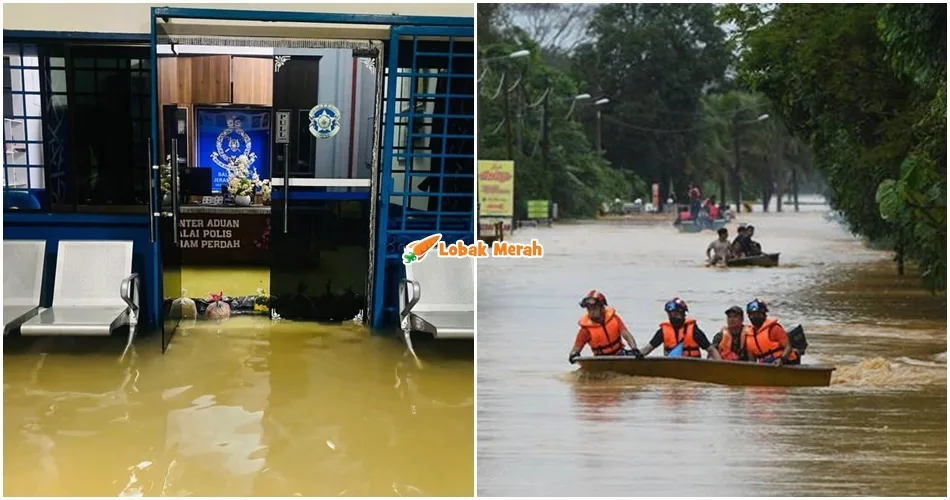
<point>406,333</point>
<point>133,326</point>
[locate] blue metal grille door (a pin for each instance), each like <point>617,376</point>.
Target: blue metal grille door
<point>427,178</point>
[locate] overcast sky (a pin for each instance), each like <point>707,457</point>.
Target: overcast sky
<point>577,35</point>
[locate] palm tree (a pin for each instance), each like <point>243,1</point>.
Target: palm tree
<point>712,157</point>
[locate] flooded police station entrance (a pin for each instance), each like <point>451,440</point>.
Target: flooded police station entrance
<point>289,393</point>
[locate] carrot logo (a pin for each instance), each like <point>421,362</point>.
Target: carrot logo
<point>416,250</point>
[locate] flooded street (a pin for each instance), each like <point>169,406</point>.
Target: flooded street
<point>247,408</point>
<point>543,429</point>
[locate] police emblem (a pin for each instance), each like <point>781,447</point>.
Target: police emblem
<point>232,142</point>
<point>324,121</point>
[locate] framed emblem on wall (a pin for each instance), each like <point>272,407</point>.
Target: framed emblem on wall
<point>226,133</point>
<point>324,121</point>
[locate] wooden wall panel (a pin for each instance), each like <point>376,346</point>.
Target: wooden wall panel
<point>210,79</point>
<point>207,79</point>
<point>185,88</point>
<point>253,80</point>
<point>167,80</point>
<point>167,94</point>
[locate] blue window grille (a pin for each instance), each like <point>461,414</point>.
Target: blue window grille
<point>428,172</point>
<point>23,176</point>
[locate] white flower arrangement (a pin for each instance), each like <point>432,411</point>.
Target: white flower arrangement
<point>241,178</point>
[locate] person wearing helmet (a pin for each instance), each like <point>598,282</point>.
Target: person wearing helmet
<point>602,328</point>
<point>719,248</point>
<point>679,335</point>
<point>767,341</point>
<point>729,341</point>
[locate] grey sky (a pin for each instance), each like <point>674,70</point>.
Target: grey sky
<point>573,37</point>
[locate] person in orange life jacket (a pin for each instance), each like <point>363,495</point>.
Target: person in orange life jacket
<point>603,329</point>
<point>729,341</point>
<point>680,336</point>
<point>767,341</point>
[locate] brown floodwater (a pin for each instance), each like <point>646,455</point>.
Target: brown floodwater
<point>543,429</point>
<point>243,408</point>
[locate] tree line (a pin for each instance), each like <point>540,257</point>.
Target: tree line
<point>865,87</point>
<point>749,101</point>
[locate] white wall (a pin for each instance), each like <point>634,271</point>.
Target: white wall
<point>134,18</point>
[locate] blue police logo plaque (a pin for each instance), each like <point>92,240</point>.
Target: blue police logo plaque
<point>324,121</point>
<point>233,142</point>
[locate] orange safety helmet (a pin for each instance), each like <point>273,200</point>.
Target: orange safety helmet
<point>593,298</point>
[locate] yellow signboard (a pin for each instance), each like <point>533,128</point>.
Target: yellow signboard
<point>537,209</point>
<point>496,188</point>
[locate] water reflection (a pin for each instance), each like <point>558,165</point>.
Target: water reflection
<point>245,408</point>
<point>880,429</point>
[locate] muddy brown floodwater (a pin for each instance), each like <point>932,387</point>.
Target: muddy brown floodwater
<point>543,429</point>
<point>245,408</point>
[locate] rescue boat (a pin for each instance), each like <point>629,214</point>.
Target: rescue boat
<point>762,260</point>
<point>712,371</point>
<point>688,226</point>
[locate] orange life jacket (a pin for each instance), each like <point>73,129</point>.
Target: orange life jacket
<point>604,337</point>
<point>725,343</point>
<point>760,346</point>
<point>671,338</point>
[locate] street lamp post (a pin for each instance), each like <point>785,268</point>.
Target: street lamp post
<point>514,55</point>
<point>598,103</point>
<point>737,180</point>
<point>545,124</point>
<point>578,97</point>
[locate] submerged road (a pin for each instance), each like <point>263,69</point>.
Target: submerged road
<point>543,429</point>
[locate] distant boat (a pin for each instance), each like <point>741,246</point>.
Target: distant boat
<point>761,260</point>
<point>735,373</point>
<point>692,227</point>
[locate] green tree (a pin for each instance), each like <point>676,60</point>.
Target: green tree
<point>653,62</point>
<point>513,97</point>
<point>864,85</point>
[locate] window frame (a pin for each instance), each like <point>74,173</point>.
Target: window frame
<point>23,119</point>
<point>53,45</point>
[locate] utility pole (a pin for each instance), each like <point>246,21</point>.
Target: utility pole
<point>522,98</point>
<point>795,186</point>
<point>736,181</point>
<point>544,128</point>
<point>508,126</point>
<point>599,150</point>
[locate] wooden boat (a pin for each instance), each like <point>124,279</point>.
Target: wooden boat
<point>691,227</point>
<point>711,371</point>
<point>762,260</point>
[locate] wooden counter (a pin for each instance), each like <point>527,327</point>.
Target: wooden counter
<point>224,235</point>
